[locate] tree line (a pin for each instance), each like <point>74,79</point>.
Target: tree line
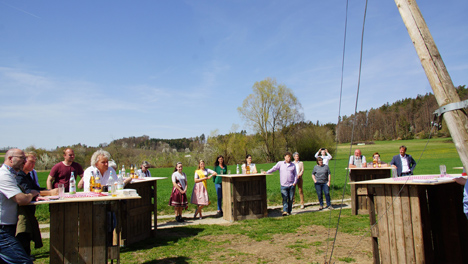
<point>405,119</point>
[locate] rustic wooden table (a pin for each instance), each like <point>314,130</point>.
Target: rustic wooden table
<point>359,200</point>
<point>244,196</point>
<point>82,229</point>
<point>140,216</point>
<point>417,222</point>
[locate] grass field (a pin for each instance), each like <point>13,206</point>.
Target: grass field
<point>297,237</point>
<point>439,151</point>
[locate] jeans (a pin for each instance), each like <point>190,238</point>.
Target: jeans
<point>319,187</point>
<point>287,192</point>
<point>11,250</point>
<point>219,193</point>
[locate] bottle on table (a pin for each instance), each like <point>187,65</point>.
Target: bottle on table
<point>123,170</point>
<point>374,162</point>
<point>110,184</point>
<point>379,162</point>
<point>247,169</point>
<point>72,189</point>
<point>120,182</point>
<point>132,171</point>
<point>91,182</point>
<point>97,183</point>
<point>237,169</point>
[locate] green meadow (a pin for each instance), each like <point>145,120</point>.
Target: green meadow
<point>438,151</point>
<point>205,243</point>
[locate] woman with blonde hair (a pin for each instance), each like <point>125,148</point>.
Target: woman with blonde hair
<point>200,193</point>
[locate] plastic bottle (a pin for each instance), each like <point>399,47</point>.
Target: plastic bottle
<point>237,169</point>
<point>72,189</point>
<point>123,170</point>
<point>97,183</point>
<point>110,184</point>
<point>120,181</point>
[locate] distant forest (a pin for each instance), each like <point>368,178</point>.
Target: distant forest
<point>405,119</point>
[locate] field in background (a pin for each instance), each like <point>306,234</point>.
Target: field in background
<point>439,151</point>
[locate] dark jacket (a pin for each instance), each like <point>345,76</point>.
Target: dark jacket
<point>396,160</point>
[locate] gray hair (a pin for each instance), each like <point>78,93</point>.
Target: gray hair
<point>295,153</point>
<point>97,154</point>
<point>112,164</point>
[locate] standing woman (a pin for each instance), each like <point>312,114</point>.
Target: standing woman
<point>200,193</point>
<point>324,154</point>
<point>248,161</point>
<point>179,191</point>
<point>220,168</point>
<point>299,171</point>
<point>321,176</point>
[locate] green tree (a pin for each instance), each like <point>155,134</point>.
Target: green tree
<point>269,109</point>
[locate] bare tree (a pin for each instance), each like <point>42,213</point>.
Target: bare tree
<point>270,108</point>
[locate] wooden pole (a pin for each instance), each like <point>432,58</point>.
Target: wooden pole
<point>439,78</point>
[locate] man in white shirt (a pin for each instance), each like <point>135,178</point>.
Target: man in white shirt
<point>404,163</point>
<point>11,196</point>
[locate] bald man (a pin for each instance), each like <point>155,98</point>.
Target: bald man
<point>11,196</point>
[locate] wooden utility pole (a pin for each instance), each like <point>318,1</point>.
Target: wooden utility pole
<point>439,78</point>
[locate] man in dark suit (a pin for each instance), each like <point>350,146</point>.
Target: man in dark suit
<point>404,163</point>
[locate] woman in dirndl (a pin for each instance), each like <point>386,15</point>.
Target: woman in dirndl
<point>200,193</point>
<point>179,192</point>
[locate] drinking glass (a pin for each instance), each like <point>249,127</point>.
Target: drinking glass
<point>221,172</point>
<point>61,190</point>
<point>229,171</point>
<point>394,173</point>
<point>443,170</point>
<point>262,171</point>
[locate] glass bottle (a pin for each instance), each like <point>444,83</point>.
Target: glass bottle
<point>72,189</point>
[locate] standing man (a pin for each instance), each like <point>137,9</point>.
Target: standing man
<point>288,180</point>
<point>404,163</point>
<point>27,228</point>
<point>61,171</point>
<point>11,196</point>
<point>357,155</point>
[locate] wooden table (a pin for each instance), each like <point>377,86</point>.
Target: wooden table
<point>358,199</point>
<point>81,229</point>
<point>140,216</point>
<point>417,222</point>
<point>244,196</point>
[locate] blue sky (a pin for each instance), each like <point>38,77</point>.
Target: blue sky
<point>94,71</point>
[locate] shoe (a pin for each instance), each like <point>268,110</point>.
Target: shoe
<point>321,208</point>
<point>285,214</point>
<point>195,215</point>
<point>222,214</point>
<point>330,207</point>
<point>302,206</point>
<point>177,218</point>
<point>200,218</point>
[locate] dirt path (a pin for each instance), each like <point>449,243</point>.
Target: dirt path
<point>210,218</point>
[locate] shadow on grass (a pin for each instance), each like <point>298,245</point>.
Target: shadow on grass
<point>178,260</point>
<point>164,237</point>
